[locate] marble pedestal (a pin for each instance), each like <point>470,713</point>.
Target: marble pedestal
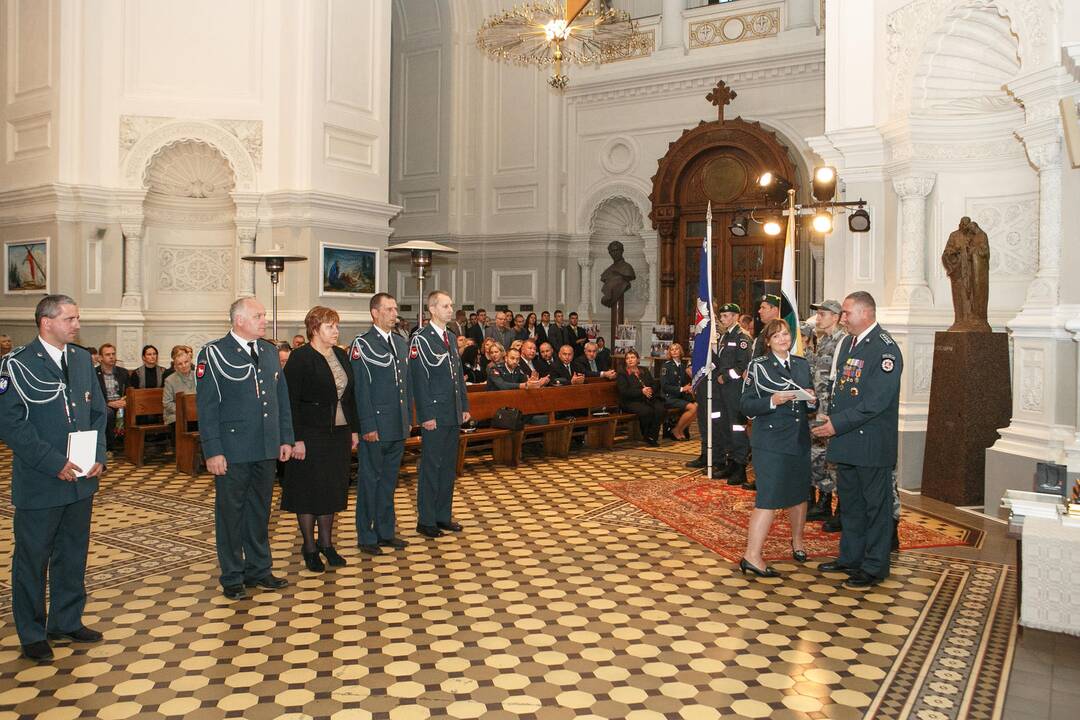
<point>970,400</point>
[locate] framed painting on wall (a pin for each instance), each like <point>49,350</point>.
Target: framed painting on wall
<point>348,270</point>
<point>26,267</point>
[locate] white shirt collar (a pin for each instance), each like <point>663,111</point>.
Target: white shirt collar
<point>864,333</point>
<point>243,342</point>
<point>54,352</point>
<point>385,335</point>
<point>782,360</point>
<point>440,328</point>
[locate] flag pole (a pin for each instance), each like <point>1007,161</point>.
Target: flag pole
<point>709,352</point>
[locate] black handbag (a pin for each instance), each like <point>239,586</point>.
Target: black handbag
<point>508,418</point>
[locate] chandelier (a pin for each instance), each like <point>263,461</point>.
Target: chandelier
<point>547,34</point>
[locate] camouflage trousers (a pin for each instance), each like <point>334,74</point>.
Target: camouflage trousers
<point>895,497</point>
<point>822,473</point>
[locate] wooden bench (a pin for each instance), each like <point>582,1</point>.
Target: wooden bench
<point>141,403</point>
<point>188,448</point>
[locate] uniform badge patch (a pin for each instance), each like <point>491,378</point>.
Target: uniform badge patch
<point>413,352</point>
<point>887,365</point>
<point>200,370</point>
<point>3,385</point>
<point>355,352</point>
<point>743,345</point>
<point>854,392</point>
<point>87,398</point>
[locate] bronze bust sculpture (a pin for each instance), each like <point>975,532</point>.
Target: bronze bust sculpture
<point>617,277</point>
<point>967,262</point>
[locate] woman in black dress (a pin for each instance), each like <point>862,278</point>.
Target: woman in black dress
<point>675,387</point>
<point>324,419</point>
<point>781,443</point>
<point>640,394</point>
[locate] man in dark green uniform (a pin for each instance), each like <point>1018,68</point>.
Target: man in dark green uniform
<point>245,426</point>
<point>863,423</point>
<point>442,405</point>
<point>48,390</point>
<point>768,309</point>
<point>384,406</point>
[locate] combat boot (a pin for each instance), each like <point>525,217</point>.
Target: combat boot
<point>822,509</point>
<point>724,469</point>
<point>698,462</point>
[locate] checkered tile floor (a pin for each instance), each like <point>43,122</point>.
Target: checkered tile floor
<point>534,611</point>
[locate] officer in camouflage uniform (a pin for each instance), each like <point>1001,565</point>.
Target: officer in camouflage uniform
<point>823,341</point>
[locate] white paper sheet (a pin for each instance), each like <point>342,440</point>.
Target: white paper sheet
<point>82,449</point>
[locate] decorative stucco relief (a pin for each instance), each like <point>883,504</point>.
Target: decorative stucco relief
<point>182,268</point>
<point>1012,224</point>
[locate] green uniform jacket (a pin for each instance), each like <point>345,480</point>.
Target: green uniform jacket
<point>383,395</point>
<point>865,403</point>
<point>35,425</point>
<point>436,378</point>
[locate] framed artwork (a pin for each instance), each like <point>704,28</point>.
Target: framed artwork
<point>348,270</point>
<point>26,267</point>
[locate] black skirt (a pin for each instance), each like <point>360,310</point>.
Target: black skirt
<point>319,484</point>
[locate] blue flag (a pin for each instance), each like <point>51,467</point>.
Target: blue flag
<point>702,361</point>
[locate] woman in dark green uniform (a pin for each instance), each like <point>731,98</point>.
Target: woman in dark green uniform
<point>781,443</point>
<point>675,387</point>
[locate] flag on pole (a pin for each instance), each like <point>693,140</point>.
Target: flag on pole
<point>703,330</point>
<point>789,301</point>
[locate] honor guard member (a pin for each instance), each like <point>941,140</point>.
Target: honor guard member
<point>245,426</point>
<point>768,309</point>
<point>48,390</point>
<point>384,405</point>
<point>820,351</point>
<point>442,405</point>
<point>863,424</point>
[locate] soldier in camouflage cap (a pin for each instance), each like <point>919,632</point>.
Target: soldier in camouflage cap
<point>820,349</point>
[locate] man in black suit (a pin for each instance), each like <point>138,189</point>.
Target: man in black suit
<point>530,362</point>
<point>562,372</point>
<point>558,334</point>
<point>114,384</point>
<point>543,327</point>
<point>589,365</point>
<point>603,354</point>
<point>576,336</point>
<point>475,332</point>
<point>545,359</point>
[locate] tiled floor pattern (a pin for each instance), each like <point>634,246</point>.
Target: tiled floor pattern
<point>540,609</point>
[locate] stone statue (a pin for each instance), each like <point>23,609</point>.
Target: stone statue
<point>967,261</point>
<point>617,277</point>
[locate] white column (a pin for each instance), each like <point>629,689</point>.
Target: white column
<point>585,304</point>
<point>133,293</point>
<point>671,24</point>
<point>245,276</point>
<point>1044,288</point>
<point>912,288</point>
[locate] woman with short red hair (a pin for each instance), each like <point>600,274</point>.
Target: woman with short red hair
<point>316,484</point>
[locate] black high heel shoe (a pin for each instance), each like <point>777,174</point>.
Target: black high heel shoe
<point>747,567</point>
<point>313,562</point>
<point>332,557</point>
<point>797,555</point>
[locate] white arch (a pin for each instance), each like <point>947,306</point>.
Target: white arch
<point>635,191</point>
<point>138,159</point>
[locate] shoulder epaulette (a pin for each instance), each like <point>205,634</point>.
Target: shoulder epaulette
<point>886,338</point>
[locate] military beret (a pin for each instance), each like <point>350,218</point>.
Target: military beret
<point>730,307</point>
<point>830,305</point>
<point>773,300</point>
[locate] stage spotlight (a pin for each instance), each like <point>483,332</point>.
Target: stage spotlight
<point>822,222</point>
<point>771,226</point>
<point>859,221</point>
<point>774,187</point>
<point>824,185</point>
<point>738,226</point>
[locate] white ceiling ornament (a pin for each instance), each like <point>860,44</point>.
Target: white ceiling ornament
<point>966,63</point>
<point>190,169</point>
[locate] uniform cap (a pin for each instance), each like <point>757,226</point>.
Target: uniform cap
<point>830,305</point>
<point>730,307</point>
<point>773,300</point>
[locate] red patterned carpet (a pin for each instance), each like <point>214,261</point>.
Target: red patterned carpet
<point>716,515</point>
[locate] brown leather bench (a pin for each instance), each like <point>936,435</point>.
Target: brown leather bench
<point>141,403</point>
<point>188,448</point>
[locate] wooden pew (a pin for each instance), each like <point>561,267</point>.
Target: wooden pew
<point>188,448</point>
<point>140,403</point>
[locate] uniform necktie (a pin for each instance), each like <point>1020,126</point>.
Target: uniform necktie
<point>786,366</point>
<point>254,355</point>
<point>446,339</point>
<point>64,368</point>
<point>854,342</point>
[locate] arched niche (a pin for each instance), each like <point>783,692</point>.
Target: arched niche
<point>618,218</point>
<point>137,162</point>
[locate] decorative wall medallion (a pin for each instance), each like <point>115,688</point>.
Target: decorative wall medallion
<point>1012,224</point>
<point>735,28</point>
<point>643,46</point>
<point>724,179</point>
<point>183,268</point>
<point>618,155</point>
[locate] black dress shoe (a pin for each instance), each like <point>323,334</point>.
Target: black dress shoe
<point>748,568</point>
<point>234,592</point>
<point>835,566</point>
<point>861,581</point>
<point>83,634</point>
<point>797,555</point>
<point>451,526</point>
<point>370,549</point>
<point>394,542</point>
<point>669,434</point>
<point>37,651</point>
<point>833,524</point>
<point>652,442</point>
<point>268,582</point>
<point>332,557</point>
<point>429,531</point>
<point>696,463</point>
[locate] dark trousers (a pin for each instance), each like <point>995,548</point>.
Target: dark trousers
<point>111,441</point>
<point>867,517</point>
<point>650,413</point>
<point>50,542</point>
<point>241,519</point>
<point>737,441</point>
<point>438,470</point>
<point>378,476</point>
<point>721,425</point>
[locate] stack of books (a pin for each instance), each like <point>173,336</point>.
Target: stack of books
<point>1031,504</point>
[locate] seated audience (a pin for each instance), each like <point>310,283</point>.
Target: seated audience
<point>545,358</point>
<point>148,375</point>
<point>589,366</point>
<point>640,394</point>
<point>181,380</point>
<point>114,384</point>
<point>675,387</point>
<point>603,354</point>
<point>284,350</point>
<point>562,371</point>
<point>297,341</point>
<point>520,331</point>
